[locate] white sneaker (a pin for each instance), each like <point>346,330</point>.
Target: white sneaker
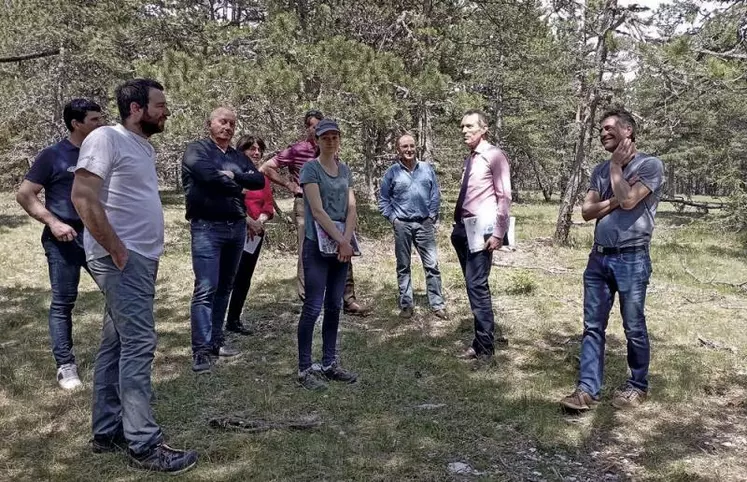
<point>67,376</point>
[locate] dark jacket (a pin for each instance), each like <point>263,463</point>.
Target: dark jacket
<point>213,196</point>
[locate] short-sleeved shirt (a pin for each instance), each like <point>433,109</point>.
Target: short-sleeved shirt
<point>332,189</point>
<point>127,164</point>
<point>295,157</point>
<point>54,169</point>
<point>623,228</point>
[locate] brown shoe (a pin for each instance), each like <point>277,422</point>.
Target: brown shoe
<point>579,401</point>
<point>468,354</point>
<point>355,309</point>
<point>406,312</point>
<point>628,396</point>
<point>441,314</point>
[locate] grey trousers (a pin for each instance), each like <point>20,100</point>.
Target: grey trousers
<point>423,236</point>
<point>122,388</point>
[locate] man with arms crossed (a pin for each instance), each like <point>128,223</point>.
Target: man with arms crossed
<point>293,158</point>
<point>53,171</point>
<point>485,194</point>
<point>116,194</point>
<point>214,175</point>
<point>623,195</point>
<point>410,199</point>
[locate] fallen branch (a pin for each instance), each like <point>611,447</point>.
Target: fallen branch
<point>539,268</point>
<point>258,425</point>
<point>37,55</point>
<point>742,286</point>
<point>701,205</point>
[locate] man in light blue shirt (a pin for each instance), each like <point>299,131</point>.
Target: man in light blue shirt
<point>410,199</point>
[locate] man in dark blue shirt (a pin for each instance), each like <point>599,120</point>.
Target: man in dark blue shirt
<point>214,175</point>
<point>62,237</point>
<point>410,199</point>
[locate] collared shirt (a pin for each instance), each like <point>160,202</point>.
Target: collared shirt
<point>211,195</point>
<point>409,195</point>
<point>54,170</point>
<point>295,156</point>
<point>622,228</point>
<point>126,162</point>
<point>489,186</point>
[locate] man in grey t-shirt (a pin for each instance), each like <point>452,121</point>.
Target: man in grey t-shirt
<point>116,194</point>
<point>622,198</point>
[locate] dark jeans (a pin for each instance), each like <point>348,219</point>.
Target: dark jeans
<point>628,275</point>
<point>64,259</point>
<point>349,294</point>
<point>423,236</point>
<point>476,271</point>
<point>241,283</point>
<point>122,390</point>
<point>216,252</point>
<point>325,283</point>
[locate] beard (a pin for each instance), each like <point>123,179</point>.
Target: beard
<point>150,125</point>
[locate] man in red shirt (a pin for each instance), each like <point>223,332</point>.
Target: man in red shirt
<point>293,158</point>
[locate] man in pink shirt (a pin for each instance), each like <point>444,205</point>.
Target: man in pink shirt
<point>481,216</point>
<point>293,158</point>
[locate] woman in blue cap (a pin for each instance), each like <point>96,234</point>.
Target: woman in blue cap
<point>330,219</point>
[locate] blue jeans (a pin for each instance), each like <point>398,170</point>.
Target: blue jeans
<point>476,271</point>
<point>628,275</point>
<point>423,236</point>
<point>64,259</point>
<point>216,252</point>
<point>325,283</point>
<point>122,390</point>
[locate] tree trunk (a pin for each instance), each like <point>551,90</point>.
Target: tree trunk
<point>590,97</point>
<point>425,133</point>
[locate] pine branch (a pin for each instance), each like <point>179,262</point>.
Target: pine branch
<point>37,55</point>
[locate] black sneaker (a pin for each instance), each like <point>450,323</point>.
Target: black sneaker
<point>239,328</point>
<point>163,458</point>
<point>311,379</point>
<point>225,350</point>
<point>339,374</point>
<point>201,363</point>
<point>101,444</point>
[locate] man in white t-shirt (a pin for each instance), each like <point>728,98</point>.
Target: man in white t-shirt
<point>116,194</point>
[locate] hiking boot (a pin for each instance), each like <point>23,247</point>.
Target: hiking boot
<point>355,309</point>
<point>109,443</point>
<point>225,350</point>
<point>441,313</point>
<point>163,458</point>
<point>201,363</point>
<point>67,376</point>
<point>628,396</point>
<point>339,374</point>
<point>239,328</point>
<point>310,379</point>
<point>579,401</point>
<point>406,312</point>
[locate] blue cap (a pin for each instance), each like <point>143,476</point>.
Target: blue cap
<point>326,125</point>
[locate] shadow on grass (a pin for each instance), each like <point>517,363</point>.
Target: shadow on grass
<point>12,221</point>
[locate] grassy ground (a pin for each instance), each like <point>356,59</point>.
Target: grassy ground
<point>503,422</point>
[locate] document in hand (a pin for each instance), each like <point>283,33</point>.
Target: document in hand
<point>250,245</point>
<point>477,227</point>
<point>328,246</point>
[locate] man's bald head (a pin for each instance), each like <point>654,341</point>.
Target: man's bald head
<point>221,124</point>
<point>406,148</point>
